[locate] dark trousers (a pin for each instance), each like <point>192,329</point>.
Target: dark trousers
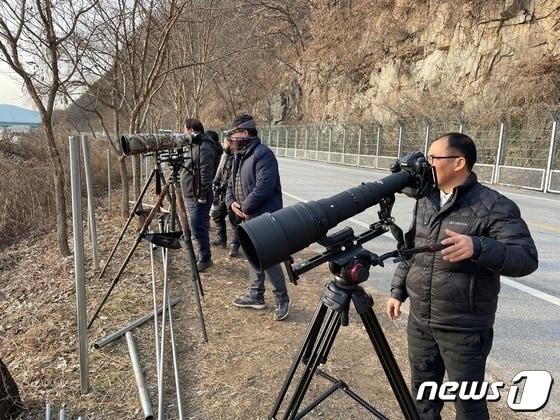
<point>219,217</point>
<point>200,224</point>
<point>277,279</point>
<point>462,354</point>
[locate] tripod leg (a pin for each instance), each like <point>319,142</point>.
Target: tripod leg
<point>363,303</point>
<point>154,298</point>
<point>131,252</point>
<point>324,342</point>
<point>186,243</point>
<point>161,391</point>
<point>130,217</point>
<point>304,353</point>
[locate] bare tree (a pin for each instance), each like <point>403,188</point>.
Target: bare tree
<point>33,35</point>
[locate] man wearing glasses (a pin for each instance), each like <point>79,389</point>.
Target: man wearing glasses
<point>454,294</point>
<point>254,188</point>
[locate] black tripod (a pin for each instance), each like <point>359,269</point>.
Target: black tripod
<point>350,264</point>
<point>172,240</point>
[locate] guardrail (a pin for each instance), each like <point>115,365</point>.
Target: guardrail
<point>508,153</point>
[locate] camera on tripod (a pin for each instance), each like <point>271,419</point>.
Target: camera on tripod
<point>272,238</point>
<point>134,144</point>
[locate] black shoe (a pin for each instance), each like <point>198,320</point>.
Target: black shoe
<point>249,302</point>
<point>204,265</point>
<point>234,250</point>
<point>219,242</point>
<point>282,310</point>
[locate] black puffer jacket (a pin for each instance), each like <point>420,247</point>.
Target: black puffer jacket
<point>464,295</point>
<point>196,178</point>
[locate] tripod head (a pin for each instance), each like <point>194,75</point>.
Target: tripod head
<point>176,159</point>
<point>347,258</point>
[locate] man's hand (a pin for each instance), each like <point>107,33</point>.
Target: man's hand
<point>236,208</point>
<point>460,247</point>
<point>393,308</point>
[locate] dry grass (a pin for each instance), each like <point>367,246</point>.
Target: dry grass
<point>26,185</point>
<point>236,375</point>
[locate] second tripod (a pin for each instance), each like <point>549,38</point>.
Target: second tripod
<point>350,263</point>
<point>169,240</point>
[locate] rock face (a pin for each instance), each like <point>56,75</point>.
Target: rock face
<point>428,58</point>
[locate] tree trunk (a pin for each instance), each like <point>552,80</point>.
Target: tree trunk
<point>124,183</point>
<point>59,191</point>
<point>10,401</point>
<point>61,222</point>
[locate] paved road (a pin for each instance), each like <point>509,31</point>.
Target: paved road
<point>527,329</point>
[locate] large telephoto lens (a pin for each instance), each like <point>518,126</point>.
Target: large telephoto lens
<point>272,237</point>
<point>134,144</point>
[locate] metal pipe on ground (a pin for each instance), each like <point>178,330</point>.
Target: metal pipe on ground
<point>117,334</point>
<point>48,411</point>
<point>139,376</point>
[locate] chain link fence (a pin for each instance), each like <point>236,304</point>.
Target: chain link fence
<point>509,153</point>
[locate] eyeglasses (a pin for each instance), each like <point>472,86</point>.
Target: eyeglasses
<point>432,158</point>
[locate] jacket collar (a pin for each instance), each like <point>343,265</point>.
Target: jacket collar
<point>254,143</point>
<point>457,191</point>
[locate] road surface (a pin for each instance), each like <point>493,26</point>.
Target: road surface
<point>527,328</point>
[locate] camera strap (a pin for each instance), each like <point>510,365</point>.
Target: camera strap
<point>385,207</point>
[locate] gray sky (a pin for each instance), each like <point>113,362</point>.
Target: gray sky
<point>11,89</point>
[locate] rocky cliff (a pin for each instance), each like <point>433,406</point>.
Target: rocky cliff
<point>385,60</point>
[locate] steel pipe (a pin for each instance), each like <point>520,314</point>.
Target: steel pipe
<point>117,334</point>
<point>139,376</point>
<point>74,146</point>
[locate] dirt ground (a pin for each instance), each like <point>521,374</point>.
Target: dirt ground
<point>236,375</point>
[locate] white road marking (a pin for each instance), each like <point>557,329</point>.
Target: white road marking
<point>534,292</point>
<point>505,280</point>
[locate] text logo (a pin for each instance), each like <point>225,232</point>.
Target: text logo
<point>537,385</point>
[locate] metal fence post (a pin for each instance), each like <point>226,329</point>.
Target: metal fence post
<point>277,139</point>
<point>343,144</point>
<point>286,152</point>
<point>74,148</point>
<point>427,138</point>
<point>551,152</point>
<point>146,167</point>
<point>90,200</point>
<point>109,202</point>
<point>359,146</point>
<point>378,145</point>
<point>499,153</point>
<point>318,137</point>
<point>461,127</point>
<point>330,143</point>
<point>306,133</point>
<point>400,146</point>
<point>269,136</point>
<point>296,143</point>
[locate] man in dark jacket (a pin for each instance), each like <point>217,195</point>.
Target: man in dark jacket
<point>454,294</point>
<point>254,188</point>
<point>196,186</point>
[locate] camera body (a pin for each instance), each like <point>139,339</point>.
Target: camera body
<point>134,144</point>
<point>423,175</point>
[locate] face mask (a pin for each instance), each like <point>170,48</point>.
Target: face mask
<point>239,147</point>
